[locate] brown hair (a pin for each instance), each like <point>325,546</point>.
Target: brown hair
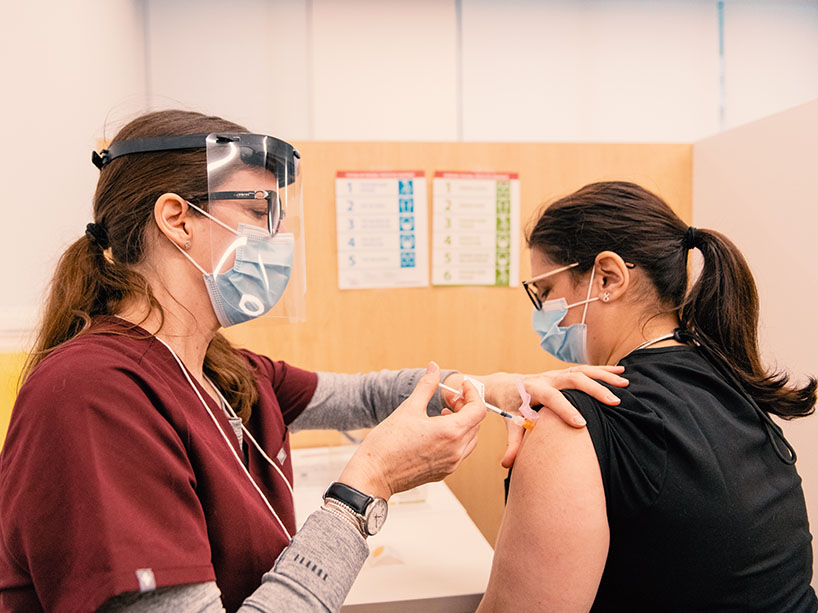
<point>89,281</point>
<point>722,306</point>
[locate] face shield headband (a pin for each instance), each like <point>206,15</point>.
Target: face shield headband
<point>277,156</point>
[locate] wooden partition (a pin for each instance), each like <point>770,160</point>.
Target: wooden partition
<point>473,329</point>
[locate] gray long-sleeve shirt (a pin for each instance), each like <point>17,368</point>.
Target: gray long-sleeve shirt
<point>317,569</point>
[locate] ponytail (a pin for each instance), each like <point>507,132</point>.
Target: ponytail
<point>86,283</point>
<point>722,308</point>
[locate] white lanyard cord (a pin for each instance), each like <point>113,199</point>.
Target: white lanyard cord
<point>226,440</point>
<point>250,436</point>
<point>653,341</point>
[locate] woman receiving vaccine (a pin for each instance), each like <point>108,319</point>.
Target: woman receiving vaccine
<point>685,496</point>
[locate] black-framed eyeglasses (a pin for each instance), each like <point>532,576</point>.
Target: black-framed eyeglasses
<point>275,210</point>
<point>531,289</point>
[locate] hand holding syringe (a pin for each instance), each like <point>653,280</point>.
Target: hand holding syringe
<point>542,390</point>
<point>515,419</point>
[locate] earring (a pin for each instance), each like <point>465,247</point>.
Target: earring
<point>606,297</point>
<point>187,244</point>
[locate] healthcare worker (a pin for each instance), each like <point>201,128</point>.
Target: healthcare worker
<point>147,463</point>
<point>685,497</point>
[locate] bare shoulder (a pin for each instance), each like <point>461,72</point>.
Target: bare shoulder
<point>553,541</point>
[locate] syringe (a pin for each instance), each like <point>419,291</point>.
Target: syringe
<point>515,419</point>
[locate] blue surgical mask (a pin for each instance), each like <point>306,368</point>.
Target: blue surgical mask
<point>566,343</point>
<point>256,281</point>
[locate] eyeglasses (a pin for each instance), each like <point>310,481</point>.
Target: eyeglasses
<point>531,289</point>
<point>275,211</point>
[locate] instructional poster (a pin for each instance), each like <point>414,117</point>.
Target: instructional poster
<point>476,228</point>
<point>383,237</point>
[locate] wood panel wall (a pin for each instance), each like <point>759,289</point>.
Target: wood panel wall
<point>473,329</point>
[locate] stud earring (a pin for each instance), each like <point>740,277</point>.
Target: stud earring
<point>187,244</point>
<point>606,297</point>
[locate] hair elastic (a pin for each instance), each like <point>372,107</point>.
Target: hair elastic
<point>691,238</point>
<point>97,235</point>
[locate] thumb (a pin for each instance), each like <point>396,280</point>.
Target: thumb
<point>515,439</point>
<point>425,388</point>
<point>473,412</point>
<point>470,393</point>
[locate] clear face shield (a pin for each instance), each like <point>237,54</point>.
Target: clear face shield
<point>255,207</point>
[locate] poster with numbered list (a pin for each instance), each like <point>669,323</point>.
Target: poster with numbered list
<point>383,237</point>
<point>476,228</point>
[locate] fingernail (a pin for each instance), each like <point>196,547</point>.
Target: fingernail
<point>612,398</point>
<point>430,367</point>
<point>579,420</point>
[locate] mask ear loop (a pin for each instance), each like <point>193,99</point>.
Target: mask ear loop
<point>239,242</point>
<point>209,216</point>
<point>588,297</point>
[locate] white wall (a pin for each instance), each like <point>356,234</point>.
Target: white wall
<point>521,70</point>
<point>771,57</point>
<point>625,71</point>
<point>65,68</point>
<point>384,70</point>
<point>247,61</point>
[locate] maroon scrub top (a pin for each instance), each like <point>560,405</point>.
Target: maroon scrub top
<point>112,470</point>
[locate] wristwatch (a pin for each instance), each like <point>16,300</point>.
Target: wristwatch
<point>369,511</point>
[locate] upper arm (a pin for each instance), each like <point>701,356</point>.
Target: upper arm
<point>351,401</point>
<point>553,542</point>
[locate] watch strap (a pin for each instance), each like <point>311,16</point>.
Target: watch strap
<point>352,498</point>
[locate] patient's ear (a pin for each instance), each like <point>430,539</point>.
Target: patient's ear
<point>612,278</point>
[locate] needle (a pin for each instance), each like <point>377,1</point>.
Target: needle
<point>516,419</point>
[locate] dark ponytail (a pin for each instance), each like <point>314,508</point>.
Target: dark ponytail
<point>97,273</point>
<point>722,306</point>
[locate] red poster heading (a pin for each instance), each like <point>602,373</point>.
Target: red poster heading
<point>496,176</point>
<point>379,174</point>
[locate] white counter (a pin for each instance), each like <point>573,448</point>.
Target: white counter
<point>429,556</point>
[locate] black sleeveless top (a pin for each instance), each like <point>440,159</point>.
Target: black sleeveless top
<point>703,514</point>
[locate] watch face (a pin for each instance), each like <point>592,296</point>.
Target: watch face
<point>376,515</point>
